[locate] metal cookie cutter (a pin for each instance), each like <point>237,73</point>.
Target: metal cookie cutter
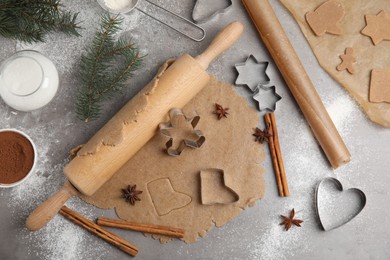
<point>336,206</point>
<point>133,5</point>
<point>251,73</point>
<point>207,7</point>
<point>267,98</point>
<point>167,128</point>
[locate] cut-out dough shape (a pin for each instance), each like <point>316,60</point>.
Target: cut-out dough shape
<point>165,199</point>
<point>206,10</point>
<point>378,27</point>
<point>326,18</point>
<point>267,98</point>
<point>380,86</point>
<point>214,189</point>
<point>328,48</point>
<point>336,206</point>
<point>181,132</point>
<point>348,59</point>
<point>252,73</point>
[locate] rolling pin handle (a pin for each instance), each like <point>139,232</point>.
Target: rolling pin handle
<point>225,39</point>
<point>47,210</point>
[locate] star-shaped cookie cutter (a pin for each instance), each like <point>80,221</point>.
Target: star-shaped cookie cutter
<point>267,98</point>
<point>252,72</point>
<point>166,129</point>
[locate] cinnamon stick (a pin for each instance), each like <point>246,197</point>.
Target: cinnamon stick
<point>279,157</point>
<point>109,237</point>
<point>146,228</point>
<point>274,157</point>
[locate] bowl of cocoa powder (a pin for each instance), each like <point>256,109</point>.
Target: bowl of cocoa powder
<point>17,157</point>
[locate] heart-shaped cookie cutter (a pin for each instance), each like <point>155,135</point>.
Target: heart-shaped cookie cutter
<point>337,184</point>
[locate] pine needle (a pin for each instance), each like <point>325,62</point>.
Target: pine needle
<point>104,68</point>
<point>31,20</point>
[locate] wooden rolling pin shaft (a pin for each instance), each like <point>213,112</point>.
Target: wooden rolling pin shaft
<point>299,83</point>
<point>134,125</point>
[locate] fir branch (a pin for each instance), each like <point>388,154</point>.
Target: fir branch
<point>105,68</point>
<point>68,24</point>
<point>31,20</point>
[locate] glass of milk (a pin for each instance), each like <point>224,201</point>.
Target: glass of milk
<point>28,80</point>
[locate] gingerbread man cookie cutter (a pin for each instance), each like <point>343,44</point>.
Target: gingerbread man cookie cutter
<point>167,127</point>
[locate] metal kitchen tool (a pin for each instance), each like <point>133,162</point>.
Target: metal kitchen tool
<point>266,98</point>
<point>336,206</point>
<point>167,128</point>
<point>205,6</point>
<point>133,5</point>
<point>251,73</point>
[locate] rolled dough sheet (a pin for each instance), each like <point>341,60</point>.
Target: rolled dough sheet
<point>328,48</point>
<point>165,179</point>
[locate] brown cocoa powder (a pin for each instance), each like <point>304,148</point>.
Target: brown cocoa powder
<point>16,157</point>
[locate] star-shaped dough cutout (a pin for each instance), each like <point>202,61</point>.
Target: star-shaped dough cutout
<point>348,59</point>
<point>378,27</point>
<point>251,73</point>
<point>267,98</point>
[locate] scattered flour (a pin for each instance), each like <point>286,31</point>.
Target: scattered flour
<point>60,239</point>
<point>67,60</point>
<point>342,111</point>
<point>305,170</point>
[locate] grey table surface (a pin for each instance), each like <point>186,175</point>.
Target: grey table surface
<point>255,234</point>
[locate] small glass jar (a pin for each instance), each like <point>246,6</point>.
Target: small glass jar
<point>28,80</point>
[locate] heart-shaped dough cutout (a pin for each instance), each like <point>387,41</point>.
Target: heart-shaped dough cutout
<point>335,206</point>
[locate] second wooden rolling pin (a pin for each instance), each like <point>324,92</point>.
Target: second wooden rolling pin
<point>293,72</point>
<point>134,125</point>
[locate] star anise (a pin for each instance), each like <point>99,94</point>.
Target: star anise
<point>220,111</point>
<point>262,135</point>
<point>130,194</point>
<point>289,221</point>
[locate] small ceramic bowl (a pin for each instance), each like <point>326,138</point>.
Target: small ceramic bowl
<point>34,163</point>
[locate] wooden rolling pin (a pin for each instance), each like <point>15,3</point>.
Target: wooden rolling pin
<point>134,125</point>
<point>293,72</point>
